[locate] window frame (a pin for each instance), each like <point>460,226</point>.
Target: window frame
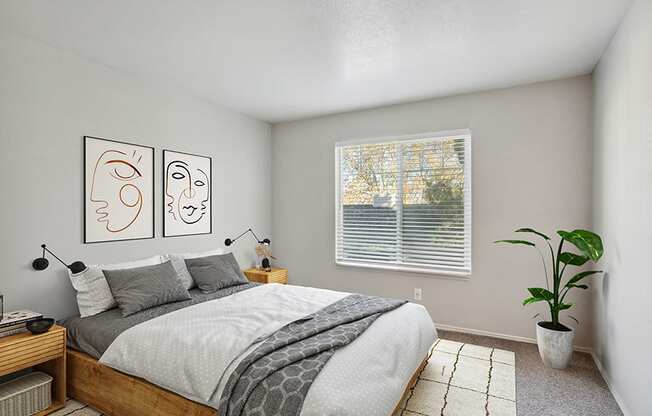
<point>468,217</point>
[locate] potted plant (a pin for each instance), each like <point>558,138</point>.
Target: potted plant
<point>554,339</point>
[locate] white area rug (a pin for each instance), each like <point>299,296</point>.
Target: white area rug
<point>74,408</point>
<point>459,380</point>
<point>464,380</point>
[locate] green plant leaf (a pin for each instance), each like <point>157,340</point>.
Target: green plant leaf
<point>533,300</point>
<point>564,306</point>
<point>568,285</point>
<point>581,275</point>
<point>587,242</point>
<point>533,231</point>
<point>527,243</point>
<point>571,258</point>
<point>539,292</point>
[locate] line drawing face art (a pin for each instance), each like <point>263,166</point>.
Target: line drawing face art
<point>116,189</point>
<point>187,194</point>
<point>187,191</point>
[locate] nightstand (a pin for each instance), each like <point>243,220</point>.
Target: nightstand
<point>260,276</point>
<point>46,352</point>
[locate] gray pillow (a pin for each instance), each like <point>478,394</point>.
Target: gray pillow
<point>141,288</point>
<point>213,273</point>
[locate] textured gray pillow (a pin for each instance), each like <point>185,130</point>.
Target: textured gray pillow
<point>213,273</point>
<point>141,288</point>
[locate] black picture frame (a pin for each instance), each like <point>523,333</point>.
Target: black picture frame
<point>85,188</point>
<point>164,188</point>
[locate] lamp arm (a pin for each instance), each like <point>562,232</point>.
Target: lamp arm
<point>54,255</point>
<point>255,236</point>
<point>229,241</point>
<point>245,232</point>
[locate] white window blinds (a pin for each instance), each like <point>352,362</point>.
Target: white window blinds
<point>405,203</point>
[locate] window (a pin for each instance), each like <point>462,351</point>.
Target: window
<point>405,203</point>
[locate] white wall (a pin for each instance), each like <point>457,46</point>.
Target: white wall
<point>531,167</point>
<point>49,99</point>
<point>623,209</point>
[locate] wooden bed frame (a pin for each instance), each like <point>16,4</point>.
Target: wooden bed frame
<point>118,394</point>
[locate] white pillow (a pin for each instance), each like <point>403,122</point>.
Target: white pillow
<point>93,292</point>
<point>179,264</point>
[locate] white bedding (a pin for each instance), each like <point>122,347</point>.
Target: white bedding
<point>193,350</point>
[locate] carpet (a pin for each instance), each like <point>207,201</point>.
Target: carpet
<point>459,380</point>
<point>464,380</point>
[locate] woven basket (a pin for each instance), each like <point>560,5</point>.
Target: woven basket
<point>26,395</point>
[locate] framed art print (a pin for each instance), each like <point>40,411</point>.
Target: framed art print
<point>187,194</point>
<point>118,190</point>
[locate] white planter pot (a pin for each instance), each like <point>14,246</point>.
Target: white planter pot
<point>555,347</point>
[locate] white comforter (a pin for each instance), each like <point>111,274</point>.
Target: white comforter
<point>193,350</point>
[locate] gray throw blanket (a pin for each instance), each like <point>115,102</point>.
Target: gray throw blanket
<point>275,378</point>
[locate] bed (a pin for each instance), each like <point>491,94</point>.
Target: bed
<point>177,358</point>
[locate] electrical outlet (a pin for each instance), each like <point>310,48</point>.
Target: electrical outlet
<point>417,293</point>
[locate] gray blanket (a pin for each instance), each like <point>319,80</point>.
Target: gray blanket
<point>275,378</point>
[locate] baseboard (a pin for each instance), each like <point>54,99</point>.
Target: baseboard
<point>607,379</point>
<point>501,336</point>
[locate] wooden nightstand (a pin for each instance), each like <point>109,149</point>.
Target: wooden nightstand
<point>259,276</point>
<point>46,352</point>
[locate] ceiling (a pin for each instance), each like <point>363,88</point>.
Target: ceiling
<point>282,60</point>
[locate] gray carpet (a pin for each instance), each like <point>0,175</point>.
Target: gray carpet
<point>540,391</point>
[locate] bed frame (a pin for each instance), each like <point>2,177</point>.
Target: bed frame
<point>118,394</point>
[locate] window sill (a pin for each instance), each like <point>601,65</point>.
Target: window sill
<point>444,274</point>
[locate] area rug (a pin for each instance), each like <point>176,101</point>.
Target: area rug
<point>459,380</point>
<point>75,408</point>
<point>464,380</point>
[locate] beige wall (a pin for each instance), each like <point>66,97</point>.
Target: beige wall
<point>49,100</point>
<point>623,209</point>
<point>531,167</point>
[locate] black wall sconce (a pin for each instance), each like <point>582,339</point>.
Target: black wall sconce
<point>265,241</point>
<point>229,241</point>
<point>42,263</point>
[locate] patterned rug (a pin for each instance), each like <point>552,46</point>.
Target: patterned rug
<point>464,380</point>
<point>74,408</point>
<point>459,380</point>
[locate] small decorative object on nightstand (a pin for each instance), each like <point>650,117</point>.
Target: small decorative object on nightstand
<point>274,276</point>
<point>45,352</point>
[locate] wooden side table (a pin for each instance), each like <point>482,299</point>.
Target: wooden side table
<point>260,276</point>
<point>46,352</point>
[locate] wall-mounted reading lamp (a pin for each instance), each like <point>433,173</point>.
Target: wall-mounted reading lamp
<point>42,263</point>
<point>265,242</point>
<point>229,241</point>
